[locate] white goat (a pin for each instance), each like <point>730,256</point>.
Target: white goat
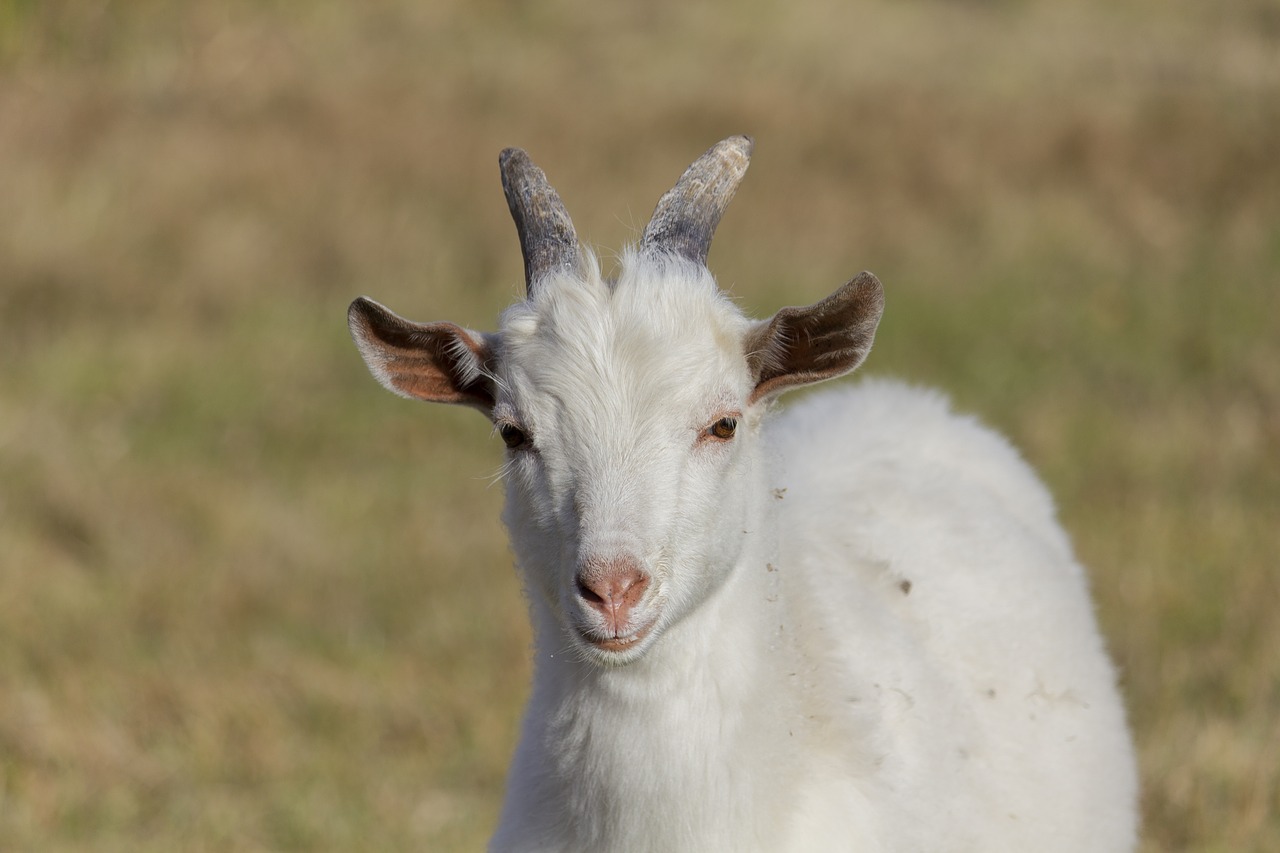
<point>856,626</point>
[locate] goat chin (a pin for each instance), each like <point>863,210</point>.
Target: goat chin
<point>852,625</point>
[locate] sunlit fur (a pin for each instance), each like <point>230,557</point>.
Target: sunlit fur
<point>870,632</point>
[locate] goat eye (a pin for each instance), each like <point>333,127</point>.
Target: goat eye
<point>724,428</point>
<point>513,436</point>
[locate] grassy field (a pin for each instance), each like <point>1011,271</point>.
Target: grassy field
<point>250,601</point>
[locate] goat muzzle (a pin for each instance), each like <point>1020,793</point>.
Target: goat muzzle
<point>612,589</point>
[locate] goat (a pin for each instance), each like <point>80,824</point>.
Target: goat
<point>854,626</point>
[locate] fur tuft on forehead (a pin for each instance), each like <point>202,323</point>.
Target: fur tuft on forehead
<point>658,307</point>
<point>656,347</point>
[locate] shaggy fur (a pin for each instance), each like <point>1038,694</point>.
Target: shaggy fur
<point>863,629</point>
<point>878,638</point>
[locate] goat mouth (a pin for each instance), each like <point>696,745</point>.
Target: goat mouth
<point>619,643</point>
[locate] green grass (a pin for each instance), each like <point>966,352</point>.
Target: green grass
<point>250,601</point>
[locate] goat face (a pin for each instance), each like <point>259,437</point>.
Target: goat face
<point>626,410</point>
<point>629,408</point>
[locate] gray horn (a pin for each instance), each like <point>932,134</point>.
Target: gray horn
<point>547,238</point>
<point>686,217</point>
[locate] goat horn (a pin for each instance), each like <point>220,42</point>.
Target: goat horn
<point>547,239</point>
<point>686,217</point>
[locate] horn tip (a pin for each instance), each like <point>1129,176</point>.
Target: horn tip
<point>510,154</point>
<point>742,142</point>
<point>734,152</point>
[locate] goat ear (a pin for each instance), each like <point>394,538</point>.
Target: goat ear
<point>800,346</point>
<point>436,362</point>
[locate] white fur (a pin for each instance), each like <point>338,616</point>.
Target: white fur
<point>870,633</point>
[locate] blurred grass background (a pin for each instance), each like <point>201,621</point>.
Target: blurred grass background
<point>248,600</point>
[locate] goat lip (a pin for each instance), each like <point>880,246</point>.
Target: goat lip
<point>619,644</point>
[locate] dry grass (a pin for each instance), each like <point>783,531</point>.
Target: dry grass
<point>249,601</point>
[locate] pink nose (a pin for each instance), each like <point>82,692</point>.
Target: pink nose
<point>612,588</point>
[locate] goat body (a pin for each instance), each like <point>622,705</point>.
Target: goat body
<point>854,626</point>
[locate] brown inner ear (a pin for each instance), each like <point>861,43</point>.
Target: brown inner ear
<point>431,367</point>
<point>799,346</point>
<point>436,362</point>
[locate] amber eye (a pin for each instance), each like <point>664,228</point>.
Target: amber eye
<point>513,436</point>
<point>723,428</point>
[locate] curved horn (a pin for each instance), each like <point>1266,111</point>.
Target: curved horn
<point>686,217</point>
<point>547,238</point>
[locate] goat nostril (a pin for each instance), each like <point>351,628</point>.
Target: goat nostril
<point>588,594</point>
<point>611,588</point>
